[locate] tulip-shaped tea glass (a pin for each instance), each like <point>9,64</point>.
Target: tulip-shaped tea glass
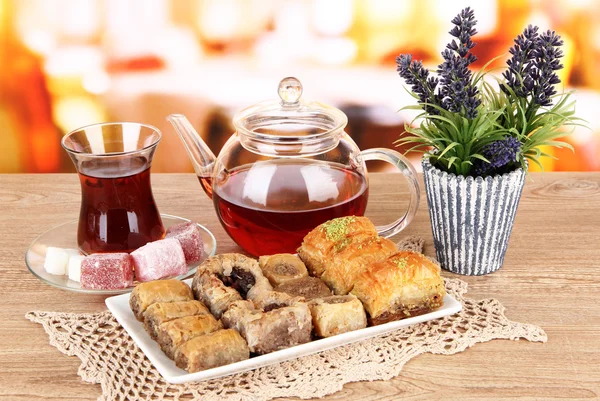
<point>118,212</point>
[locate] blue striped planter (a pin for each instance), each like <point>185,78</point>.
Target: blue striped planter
<point>471,218</point>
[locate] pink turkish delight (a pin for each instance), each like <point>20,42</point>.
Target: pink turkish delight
<point>189,236</point>
<point>107,271</point>
<point>159,259</point>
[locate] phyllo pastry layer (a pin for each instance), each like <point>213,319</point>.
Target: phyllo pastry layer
<point>270,331</point>
<point>209,351</point>
<point>163,312</point>
<point>174,333</point>
<point>337,314</point>
<point>350,262</point>
<point>404,284</point>
<point>224,279</point>
<point>146,294</point>
<point>323,242</point>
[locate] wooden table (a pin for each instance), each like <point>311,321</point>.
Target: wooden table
<point>550,278</point>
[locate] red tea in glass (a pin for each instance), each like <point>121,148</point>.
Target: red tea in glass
<point>118,212</point>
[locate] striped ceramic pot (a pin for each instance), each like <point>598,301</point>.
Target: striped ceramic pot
<point>471,218</point>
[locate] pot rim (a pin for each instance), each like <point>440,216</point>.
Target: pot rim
<point>428,167</point>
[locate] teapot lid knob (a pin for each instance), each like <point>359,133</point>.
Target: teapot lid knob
<point>290,90</point>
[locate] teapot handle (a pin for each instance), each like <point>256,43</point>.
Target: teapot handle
<point>409,172</point>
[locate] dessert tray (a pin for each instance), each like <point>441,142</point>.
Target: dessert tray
<point>64,236</point>
<point>119,306</point>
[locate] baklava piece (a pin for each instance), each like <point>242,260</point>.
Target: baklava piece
<point>270,331</point>
<point>323,242</point>
<point>224,279</point>
<point>404,284</point>
<point>209,289</point>
<point>355,258</point>
<point>337,314</point>
<point>306,287</point>
<point>171,335</point>
<point>282,267</point>
<point>146,294</point>
<point>212,350</point>
<point>159,313</point>
<point>235,270</point>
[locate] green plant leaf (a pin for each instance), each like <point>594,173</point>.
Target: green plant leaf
<point>480,157</point>
<point>451,161</point>
<point>448,148</point>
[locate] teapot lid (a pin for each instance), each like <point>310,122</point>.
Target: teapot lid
<point>289,116</point>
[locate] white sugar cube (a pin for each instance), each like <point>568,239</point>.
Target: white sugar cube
<point>72,251</point>
<point>57,260</point>
<point>75,267</point>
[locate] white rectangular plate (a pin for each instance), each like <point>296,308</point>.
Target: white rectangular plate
<point>119,306</point>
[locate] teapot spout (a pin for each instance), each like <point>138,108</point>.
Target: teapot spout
<point>200,154</point>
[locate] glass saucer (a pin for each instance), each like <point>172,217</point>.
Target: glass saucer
<point>65,236</point>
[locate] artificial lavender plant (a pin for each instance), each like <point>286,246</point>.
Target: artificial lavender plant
<point>470,127</point>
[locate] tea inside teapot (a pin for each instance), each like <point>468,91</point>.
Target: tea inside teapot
<point>268,207</point>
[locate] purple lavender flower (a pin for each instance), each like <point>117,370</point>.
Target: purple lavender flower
<point>463,30</point>
<point>546,61</point>
<point>456,87</point>
<point>531,68</point>
<point>518,75</point>
<point>500,153</point>
<point>457,93</point>
<point>421,83</point>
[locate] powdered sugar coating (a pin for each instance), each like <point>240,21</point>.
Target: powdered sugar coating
<point>159,259</point>
<point>107,271</point>
<point>189,237</point>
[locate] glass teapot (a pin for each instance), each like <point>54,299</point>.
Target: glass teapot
<point>288,168</point>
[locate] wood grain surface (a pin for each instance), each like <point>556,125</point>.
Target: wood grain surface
<point>550,278</point>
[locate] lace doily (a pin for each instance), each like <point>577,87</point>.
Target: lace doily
<point>110,357</point>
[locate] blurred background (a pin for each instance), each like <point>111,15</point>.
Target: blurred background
<point>69,63</point>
